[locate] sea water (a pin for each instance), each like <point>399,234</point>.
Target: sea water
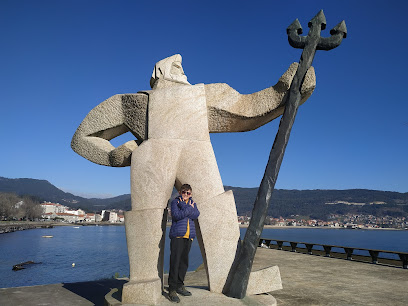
<point>87,253</point>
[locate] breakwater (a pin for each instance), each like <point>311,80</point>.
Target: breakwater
<point>9,227</point>
<point>13,227</point>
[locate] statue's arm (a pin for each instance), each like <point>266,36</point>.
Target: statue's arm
<point>113,117</point>
<point>230,111</point>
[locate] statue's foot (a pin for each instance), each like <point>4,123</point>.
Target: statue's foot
<point>142,292</point>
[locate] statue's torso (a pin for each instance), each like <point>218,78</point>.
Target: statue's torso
<point>178,112</point>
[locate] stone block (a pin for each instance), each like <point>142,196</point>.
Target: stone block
<point>198,167</point>
<point>230,111</point>
<point>219,230</point>
<point>145,240</point>
<point>178,112</point>
<point>264,280</point>
<point>144,293</point>
<point>153,173</point>
<point>106,121</point>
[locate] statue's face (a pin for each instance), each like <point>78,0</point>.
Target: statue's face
<point>177,72</point>
<point>169,69</point>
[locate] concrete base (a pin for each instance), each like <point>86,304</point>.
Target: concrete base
<point>264,280</point>
<point>145,293</point>
<point>199,296</point>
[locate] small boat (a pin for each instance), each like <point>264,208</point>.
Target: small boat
<point>47,236</point>
<point>76,226</point>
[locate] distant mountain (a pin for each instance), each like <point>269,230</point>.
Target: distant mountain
<point>37,188</point>
<point>309,203</point>
<point>45,191</point>
<point>319,204</point>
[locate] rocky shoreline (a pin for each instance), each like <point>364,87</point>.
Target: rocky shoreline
<point>9,227</point>
<point>13,227</point>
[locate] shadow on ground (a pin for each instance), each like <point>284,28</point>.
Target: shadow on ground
<point>94,291</point>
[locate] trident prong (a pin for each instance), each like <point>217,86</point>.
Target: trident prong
<point>337,34</point>
<point>319,19</point>
<point>317,24</point>
<point>294,31</point>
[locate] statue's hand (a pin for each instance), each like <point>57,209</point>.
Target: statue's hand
<point>285,80</point>
<point>120,156</point>
<point>308,86</point>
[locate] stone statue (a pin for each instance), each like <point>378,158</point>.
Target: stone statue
<point>171,124</point>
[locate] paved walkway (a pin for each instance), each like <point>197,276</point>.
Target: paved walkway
<point>307,280</point>
<point>317,280</point>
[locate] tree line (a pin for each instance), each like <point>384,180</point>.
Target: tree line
<point>14,207</point>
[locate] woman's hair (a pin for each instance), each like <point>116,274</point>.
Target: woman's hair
<point>185,187</point>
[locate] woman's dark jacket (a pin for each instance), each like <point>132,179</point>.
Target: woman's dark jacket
<point>181,213</point>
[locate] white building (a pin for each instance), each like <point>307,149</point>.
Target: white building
<point>56,210</point>
<point>110,216</point>
<point>78,212</point>
<point>49,207</point>
<point>91,217</point>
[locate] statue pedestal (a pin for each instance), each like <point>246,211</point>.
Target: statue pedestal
<point>148,292</point>
<point>200,297</point>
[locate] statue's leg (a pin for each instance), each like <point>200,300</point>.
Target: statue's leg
<point>217,226</point>
<point>153,171</point>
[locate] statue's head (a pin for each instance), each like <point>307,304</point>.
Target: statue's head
<point>169,69</point>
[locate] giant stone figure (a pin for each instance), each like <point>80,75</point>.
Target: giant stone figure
<point>171,124</point>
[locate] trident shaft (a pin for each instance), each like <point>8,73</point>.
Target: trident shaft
<point>237,282</point>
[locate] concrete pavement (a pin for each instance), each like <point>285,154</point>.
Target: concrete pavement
<point>307,280</point>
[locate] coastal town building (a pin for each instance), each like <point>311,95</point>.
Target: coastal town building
<point>56,211</point>
<point>348,221</point>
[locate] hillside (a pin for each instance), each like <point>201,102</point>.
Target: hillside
<point>312,203</point>
<point>315,203</point>
<point>43,190</point>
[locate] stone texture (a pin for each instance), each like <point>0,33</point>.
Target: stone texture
<point>145,240</point>
<point>171,124</point>
<point>142,293</point>
<point>264,280</point>
<point>219,237</point>
<point>158,163</point>
<point>113,117</point>
<point>153,172</point>
<point>134,109</point>
<point>230,111</point>
<point>169,69</point>
<point>198,167</point>
<point>178,112</point>
<point>201,297</point>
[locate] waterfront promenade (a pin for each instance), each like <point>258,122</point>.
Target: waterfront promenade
<point>318,280</point>
<point>307,280</point>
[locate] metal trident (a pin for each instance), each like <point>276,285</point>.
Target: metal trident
<point>237,282</point>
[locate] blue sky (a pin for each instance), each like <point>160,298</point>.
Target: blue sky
<point>59,59</point>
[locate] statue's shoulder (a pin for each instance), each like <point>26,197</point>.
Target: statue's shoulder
<point>137,100</point>
<point>119,101</point>
<point>217,87</point>
<point>220,95</point>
